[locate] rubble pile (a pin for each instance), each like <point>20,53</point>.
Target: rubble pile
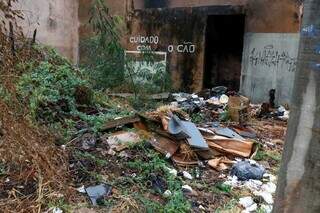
<point>210,137</point>
<point>226,141</point>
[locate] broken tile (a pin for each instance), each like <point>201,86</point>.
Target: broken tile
<point>97,192</point>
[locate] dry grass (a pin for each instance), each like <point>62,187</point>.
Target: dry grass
<point>35,169</point>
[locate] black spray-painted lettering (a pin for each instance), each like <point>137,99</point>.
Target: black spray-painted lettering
<point>273,58</point>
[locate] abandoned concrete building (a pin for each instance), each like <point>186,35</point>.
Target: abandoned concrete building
<point>246,45</point>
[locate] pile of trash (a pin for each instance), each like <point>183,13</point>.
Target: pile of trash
<point>226,147</point>
<point>252,176</point>
<point>219,103</point>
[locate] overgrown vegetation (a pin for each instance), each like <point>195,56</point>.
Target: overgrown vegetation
<point>103,54</point>
<point>58,93</point>
<point>110,68</point>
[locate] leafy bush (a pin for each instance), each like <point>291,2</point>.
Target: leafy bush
<point>108,67</point>
<point>103,55</point>
<point>60,95</point>
<point>52,88</point>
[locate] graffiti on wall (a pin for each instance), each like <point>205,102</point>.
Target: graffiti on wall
<point>148,71</point>
<point>271,57</point>
<point>269,62</point>
<point>144,43</point>
<point>185,47</point>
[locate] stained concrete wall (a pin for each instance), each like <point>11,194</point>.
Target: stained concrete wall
<point>262,16</point>
<point>169,27</point>
<point>62,23</point>
<point>56,23</point>
<point>117,7</point>
<point>270,49</point>
<point>143,4</point>
<point>269,62</point>
<point>178,28</point>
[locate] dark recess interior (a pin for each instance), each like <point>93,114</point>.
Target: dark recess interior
<point>224,47</point>
<point>155,3</point>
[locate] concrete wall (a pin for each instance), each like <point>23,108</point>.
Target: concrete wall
<point>117,7</point>
<point>170,27</point>
<point>55,22</point>
<point>265,20</point>
<point>143,4</point>
<point>180,29</point>
<point>269,62</point>
<point>63,23</point>
<point>270,49</point>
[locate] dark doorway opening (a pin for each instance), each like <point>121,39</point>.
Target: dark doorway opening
<point>223,53</point>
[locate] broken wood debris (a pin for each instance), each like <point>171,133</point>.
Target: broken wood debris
<point>120,122</point>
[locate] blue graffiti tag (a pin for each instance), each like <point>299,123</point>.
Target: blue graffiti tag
<point>317,49</point>
<point>315,66</point>
<point>310,31</point>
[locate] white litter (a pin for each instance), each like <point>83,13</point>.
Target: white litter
<point>57,210</point>
<point>224,99</point>
<point>81,189</point>
<point>266,196</point>
<point>173,172</point>
<point>202,208</point>
<point>187,175</point>
<point>167,194</point>
<point>187,188</point>
<point>266,208</point>
<point>252,208</point>
<point>269,187</point>
<point>246,202</point>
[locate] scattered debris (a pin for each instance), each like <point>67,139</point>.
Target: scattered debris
<point>246,170</point>
<point>190,103</point>
<point>227,133</point>
<point>187,189</point>
<point>245,132</point>
<point>266,196</point>
<point>219,91</point>
<point>282,113</point>
<point>187,130</point>
<point>167,194</point>
<point>98,192</point>
<point>173,172</point>
<point>220,164</point>
<point>164,145</point>
<point>57,210</point>
<point>81,189</point>
<point>266,208</point>
<point>231,146</point>
<point>120,122</point>
<point>246,202</point>
<point>121,140</point>
<point>187,175</point>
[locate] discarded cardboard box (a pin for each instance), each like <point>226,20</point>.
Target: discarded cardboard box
<point>239,108</point>
<point>164,145</point>
<point>231,146</point>
<point>121,140</point>
<point>220,164</point>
